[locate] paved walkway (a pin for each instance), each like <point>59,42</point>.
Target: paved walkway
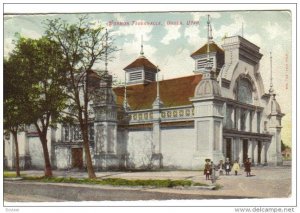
<point>265,182</point>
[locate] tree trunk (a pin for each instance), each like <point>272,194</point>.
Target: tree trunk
<point>15,135</point>
<point>48,168</point>
<point>89,164</point>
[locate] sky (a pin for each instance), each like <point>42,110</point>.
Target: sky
<point>169,45</point>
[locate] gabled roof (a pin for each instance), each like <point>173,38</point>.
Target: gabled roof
<point>213,47</point>
<point>173,92</point>
<point>142,61</point>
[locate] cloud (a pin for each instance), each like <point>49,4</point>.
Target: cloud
<point>133,48</point>
<point>275,31</point>
<point>255,39</point>
<point>171,68</point>
<point>136,30</point>
<point>232,29</point>
<point>30,33</point>
<point>192,35</point>
<point>199,15</point>
<point>8,46</point>
<point>172,34</point>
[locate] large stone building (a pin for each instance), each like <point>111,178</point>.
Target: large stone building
<point>220,111</point>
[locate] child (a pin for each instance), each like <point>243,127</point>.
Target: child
<point>236,167</point>
<point>221,167</point>
<point>207,169</point>
<point>227,166</point>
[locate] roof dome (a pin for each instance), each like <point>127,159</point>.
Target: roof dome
<point>208,87</point>
<point>274,106</point>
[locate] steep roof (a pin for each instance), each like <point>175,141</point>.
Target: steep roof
<point>213,47</point>
<point>173,92</point>
<point>141,62</point>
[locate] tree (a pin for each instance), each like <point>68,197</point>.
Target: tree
<point>40,64</point>
<point>283,146</point>
<point>83,46</point>
<point>12,104</point>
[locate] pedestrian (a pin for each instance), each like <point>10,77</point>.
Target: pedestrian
<point>221,167</point>
<point>236,167</point>
<point>227,166</point>
<point>247,166</point>
<point>207,169</point>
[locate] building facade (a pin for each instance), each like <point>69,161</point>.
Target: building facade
<point>219,111</point>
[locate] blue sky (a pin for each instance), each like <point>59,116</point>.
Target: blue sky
<point>170,46</point>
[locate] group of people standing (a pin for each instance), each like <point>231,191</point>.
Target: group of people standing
<point>226,166</point>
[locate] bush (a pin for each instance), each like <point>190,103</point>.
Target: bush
<point>116,181</point>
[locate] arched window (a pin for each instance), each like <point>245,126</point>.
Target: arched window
<point>244,91</point>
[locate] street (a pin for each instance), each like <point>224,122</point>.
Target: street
<point>39,192</point>
<point>265,182</point>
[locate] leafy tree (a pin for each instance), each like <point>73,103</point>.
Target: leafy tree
<point>283,146</point>
<point>83,46</point>
<point>14,117</point>
<point>40,64</point>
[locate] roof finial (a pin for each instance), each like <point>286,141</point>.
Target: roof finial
<point>106,46</point>
<point>208,35</point>
<point>142,46</point>
<point>271,90</point>
<point>209,38</point>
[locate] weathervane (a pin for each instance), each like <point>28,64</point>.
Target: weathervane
<point>142,47</point>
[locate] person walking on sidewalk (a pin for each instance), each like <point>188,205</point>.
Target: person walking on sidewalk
<point>227,166</point>
<point>207,169</point>
<point>247,166</point>
<point>236,167</point>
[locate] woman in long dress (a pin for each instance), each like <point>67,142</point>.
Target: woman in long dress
<point>235,167</point>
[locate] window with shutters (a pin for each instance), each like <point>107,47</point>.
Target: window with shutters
<point>201,63</point>
<point>135,76</point>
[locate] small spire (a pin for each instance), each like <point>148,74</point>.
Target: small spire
<point>157,102</point>
<point>142,46</point>
<point>208,35</point>
<point>106,46</point>
<point>271,90</point>
<point>209,38</point>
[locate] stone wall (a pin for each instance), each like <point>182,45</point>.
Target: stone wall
<point>36,153</point>
<point>178,146</point>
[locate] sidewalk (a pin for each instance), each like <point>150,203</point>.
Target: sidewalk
<point>265,182</point>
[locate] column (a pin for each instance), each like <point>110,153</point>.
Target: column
<point>240,150</point>
<point>156,137</point>
<point>238,119</point>
<point>232,117</point>
<point>255,152</point>
<point>254,121</point>
<point>250,149</point>
<point>224,146</point>
<point>247,120</point>
<point>235,150</point>
<point>263,153</point>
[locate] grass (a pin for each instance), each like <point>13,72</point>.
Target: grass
<point>10,174</point>
<point>167,183</point>
<point>116,181</point>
